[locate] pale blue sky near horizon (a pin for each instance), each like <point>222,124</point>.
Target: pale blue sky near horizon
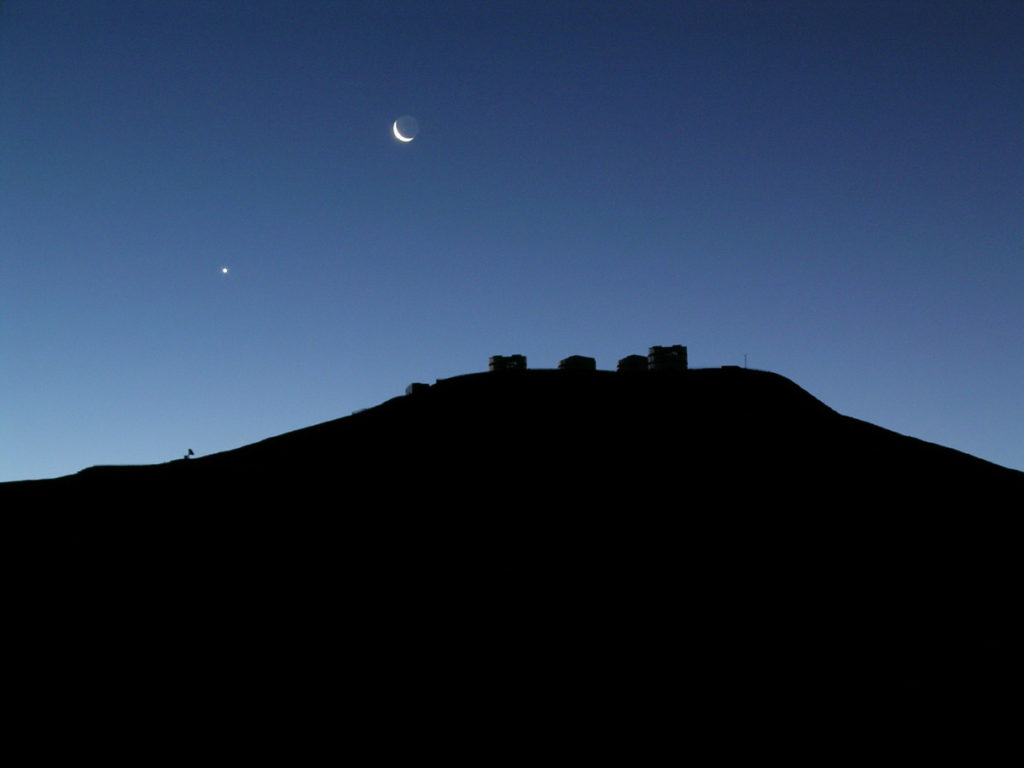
<point>834,189</point>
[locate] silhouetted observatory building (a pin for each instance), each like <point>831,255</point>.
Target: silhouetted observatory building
<point>577,363</point>
<point>667,358</point>
<point>632,364</point>
<point>509,363</point>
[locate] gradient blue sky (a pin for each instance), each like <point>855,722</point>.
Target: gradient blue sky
<point>834,188</point>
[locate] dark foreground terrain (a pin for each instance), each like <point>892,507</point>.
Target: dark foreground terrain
<point>550,564</point>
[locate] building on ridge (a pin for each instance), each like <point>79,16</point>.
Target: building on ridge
<point>509,363</point>
<point>632,363</point>
<point>667,358</point>
<point>577,363</point>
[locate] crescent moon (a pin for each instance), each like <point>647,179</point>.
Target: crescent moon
<point>398,135</point>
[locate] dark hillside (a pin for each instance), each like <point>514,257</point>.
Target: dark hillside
<point>532,557</point>
<point>562,437</point>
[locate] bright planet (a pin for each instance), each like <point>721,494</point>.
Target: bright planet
<point>405,128</point>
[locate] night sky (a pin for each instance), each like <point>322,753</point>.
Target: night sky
<point>835,189</point>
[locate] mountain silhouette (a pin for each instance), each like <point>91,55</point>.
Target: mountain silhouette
<point>526,558</point>
<point>565,437</point>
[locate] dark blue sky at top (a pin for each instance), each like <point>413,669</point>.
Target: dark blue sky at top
<point>835,189</point>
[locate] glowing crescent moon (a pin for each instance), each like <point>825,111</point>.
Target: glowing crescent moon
<point>398,135</point>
